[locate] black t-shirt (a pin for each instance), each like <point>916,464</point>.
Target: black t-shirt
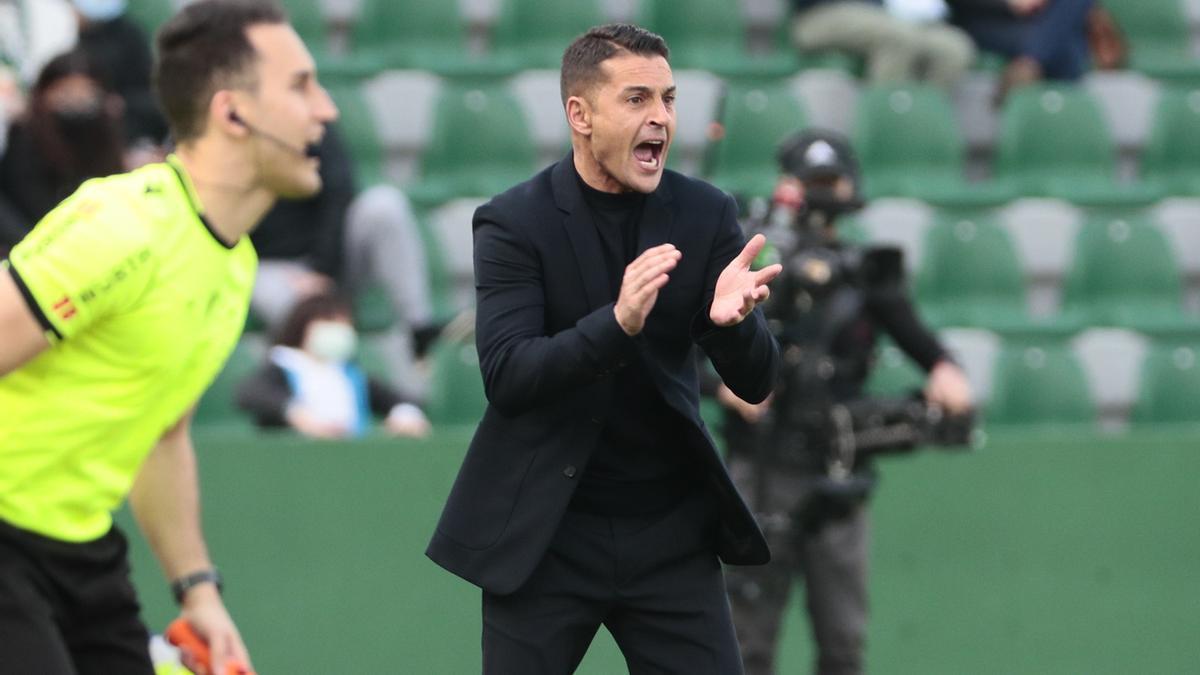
<point>638,466</point>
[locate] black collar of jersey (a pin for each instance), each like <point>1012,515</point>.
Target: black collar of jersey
<point>173,162</point>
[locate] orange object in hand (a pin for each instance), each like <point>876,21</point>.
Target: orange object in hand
<point>181,634</point>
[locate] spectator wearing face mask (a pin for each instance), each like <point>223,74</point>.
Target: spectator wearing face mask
<point>310,382</point>
<point>120,49</point>
<point>70,132</point>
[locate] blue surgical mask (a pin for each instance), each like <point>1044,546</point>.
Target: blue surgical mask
<point>100,10</point>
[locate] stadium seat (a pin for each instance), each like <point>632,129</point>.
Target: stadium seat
<point>1158,36</point>
<point>1039,384</point>
<point>308,19</point>
<point>449,245</point>
<point>974,350</point>
<point>909,145</point>
<point>411,34</point>
<point>711,35</point>
<point>217,406</point>
<point>1171,158</point>
<point>971,276</point>
<point>1054,142</point>
<point>1124,274</point>
<point>894,374</point>
<point>538,92</point>
<point>356,121</point>
<point>755,119</point>
<point>699,94</point>
<point>456,393</point>
<point>533,34</point>
<point>1112,359</point>
<point>1170,386</point>
<point>150,14</point>
<point>408,97</point>
<point>480,145</point>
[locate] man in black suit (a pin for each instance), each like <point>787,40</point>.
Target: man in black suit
<point>592,493</point>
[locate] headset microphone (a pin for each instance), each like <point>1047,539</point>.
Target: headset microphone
<point>311,150</point>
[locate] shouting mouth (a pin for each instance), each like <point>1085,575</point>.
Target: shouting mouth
<point>649,154</point>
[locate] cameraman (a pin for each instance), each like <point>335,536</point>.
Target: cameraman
<point>830,304</point>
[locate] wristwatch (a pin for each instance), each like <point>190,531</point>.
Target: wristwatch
<point>182,585</point>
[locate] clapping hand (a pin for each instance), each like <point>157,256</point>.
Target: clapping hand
<point>740,289</point>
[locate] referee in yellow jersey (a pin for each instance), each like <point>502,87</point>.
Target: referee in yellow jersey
<point>116,312</point>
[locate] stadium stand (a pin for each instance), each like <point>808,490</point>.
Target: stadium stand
<point>533,34</point>
<point>480,144</point>
<point>1160,41</point>
<point>754,118</point>
<point>1170,386</point>
<point>971,275</point>
<point>1054,142</point>
<point>909,145</point>
<point>1171,158</point>
<point>1124,274</point>
<point>712,35</point>
<point>1039,384</point>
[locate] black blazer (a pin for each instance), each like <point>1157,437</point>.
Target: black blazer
<point>548,342</point>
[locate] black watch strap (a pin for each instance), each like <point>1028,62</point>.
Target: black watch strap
<point>182,585</point>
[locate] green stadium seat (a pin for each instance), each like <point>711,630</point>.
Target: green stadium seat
<point>410,34</point>
<point>1159,37</point>
<point>1054,142</point>
<point>711,35</point>
<point>755,119</point>
<point>533,34</point>
<point>480,145</point>
<point>217,406</point>
<point>310,23</point>
<point>356,122</point>
<point>1039,384</point>
<point>909,145</point>
<point>150,14</point>
<point>894,374</point>
<point>1171,157</point>
<point>971,275</point>
<point>1170,386</point>
<point>1124,274</point>
<point>456,393</point>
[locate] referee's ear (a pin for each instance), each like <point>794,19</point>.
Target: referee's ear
<point>222,114</point>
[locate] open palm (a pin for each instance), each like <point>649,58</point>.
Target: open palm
<point>740,289</point>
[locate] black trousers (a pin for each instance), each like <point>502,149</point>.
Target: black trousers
<point>68,608</point>
<point>653,581</point>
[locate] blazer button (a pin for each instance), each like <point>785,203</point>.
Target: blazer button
<point>569,472</point>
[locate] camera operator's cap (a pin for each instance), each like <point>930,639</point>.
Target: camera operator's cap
<point>817,152</point>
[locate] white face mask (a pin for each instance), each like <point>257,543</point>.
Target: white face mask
<point>332,341</point>
<point>100,10</point>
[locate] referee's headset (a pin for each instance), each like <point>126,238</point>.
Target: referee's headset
<point>310,150</point>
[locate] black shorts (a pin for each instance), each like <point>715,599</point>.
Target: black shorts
<point>67,608</point>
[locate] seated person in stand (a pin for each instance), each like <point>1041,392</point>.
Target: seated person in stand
<point>310,383</point>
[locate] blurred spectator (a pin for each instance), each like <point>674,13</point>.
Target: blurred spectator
<point>310,383</point>
<point>343,238</point>
<point>894,48</point>
<point>119,47</point>
<point>69,132</point>
<point>1043,39</point>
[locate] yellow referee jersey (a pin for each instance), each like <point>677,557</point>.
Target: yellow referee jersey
<point>142,305</point>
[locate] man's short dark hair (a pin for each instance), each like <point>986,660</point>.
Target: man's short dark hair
<point>581,60</point>
<point>202,49</point>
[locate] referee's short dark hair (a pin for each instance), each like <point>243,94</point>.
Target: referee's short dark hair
<point>581,60</point>
<point>201,50</point>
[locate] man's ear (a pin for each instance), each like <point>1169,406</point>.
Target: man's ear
<point>222,113</point>
<point>579,115</point>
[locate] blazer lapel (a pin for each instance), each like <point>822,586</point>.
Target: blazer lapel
<point>581,230</point>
